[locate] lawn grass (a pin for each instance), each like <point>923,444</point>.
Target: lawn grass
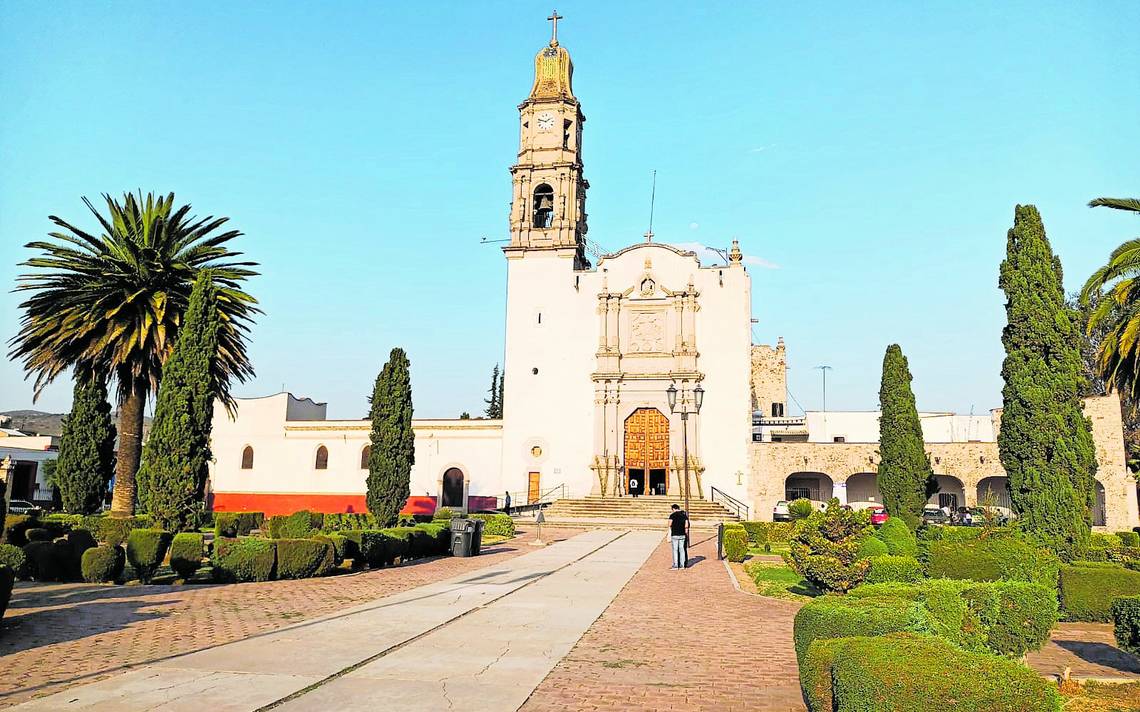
<point>779,581</point>
<point>777,549</point>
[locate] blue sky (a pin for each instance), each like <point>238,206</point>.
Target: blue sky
<point>871,152</point>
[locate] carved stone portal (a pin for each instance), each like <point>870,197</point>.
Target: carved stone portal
<point>647,332</point>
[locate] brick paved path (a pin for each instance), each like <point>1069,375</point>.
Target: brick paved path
<point>57,635</point>
<point>1089,649</point>
<point>680,640</point>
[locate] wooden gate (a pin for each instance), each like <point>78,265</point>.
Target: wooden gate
<point>646,450</point>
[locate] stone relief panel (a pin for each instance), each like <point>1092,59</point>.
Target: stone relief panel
<point>647,332</point>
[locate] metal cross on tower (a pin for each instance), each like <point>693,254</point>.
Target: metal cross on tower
<point>553,19</point>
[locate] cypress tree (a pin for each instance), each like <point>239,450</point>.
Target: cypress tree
<point>905,478</point>
<point>172,477</point>
<point>393,443</point>
<point>86,446</point>
<point>1045,440</point>
<point>494,404</point>
<point>502,380</point>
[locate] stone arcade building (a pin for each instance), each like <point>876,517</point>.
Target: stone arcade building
<point>590,352</point>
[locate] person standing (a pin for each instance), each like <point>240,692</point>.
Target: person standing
<point>507,502</point>
<point>678,537</point>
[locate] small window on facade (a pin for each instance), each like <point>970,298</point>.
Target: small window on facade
<point>777,410</point>
<point>365,455</point>
<point>543,206</point>
<point>247,458</point>
<point>322,462</point>
<point>839,439</point>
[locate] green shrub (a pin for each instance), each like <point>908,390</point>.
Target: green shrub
<point>1087,592</point>
<point>904,672</point>
<point>761,533</point>
<point>298,525</point>
<point>870,547</point>
<point>235,524</point>
<point>845,616</point>
<point>338,549</point>
<point>45,561</point>
<point>304,558</point>
<point>1103,547</point>
<point>102,564</point>
<point>1126,623</point>
<point>7,580</point>
<point>898,537</point>
<point>1131,539</point>
<point>398,543</point>
<point>146,548</point>
<point>496,524</point>
<point>993,559</point>
<point>40,534</point>
<point>244,559</point>
<point>349,540</point>
<point>14,558</point>
<point>905,569</point>
<point>115,530</point>
<point>16,527</point>
<point>440,535</point>
<point>78,541</point>
<point>735,543</point>
<point>800,509</point>
<point>186,551</point>
<point>445,514</point>
<point>348,520</point>
<point>377,548</point>
<point>825,547</point>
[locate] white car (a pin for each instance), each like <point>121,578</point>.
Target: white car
<point>780,512</point>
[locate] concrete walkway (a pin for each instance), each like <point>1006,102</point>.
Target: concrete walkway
<point>480,641</point>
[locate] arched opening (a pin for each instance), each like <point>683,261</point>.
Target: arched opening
<point>365,455</point>
<point>1099,513</point>
<point>452,495</point>
<point>647,452</point>
<point>543,206</point>
<point>863,490</point>
<point>815,486</point>
<point>322,460</point>
<point>995,490</point>
<point>247,458</point>
<point>951,494</point>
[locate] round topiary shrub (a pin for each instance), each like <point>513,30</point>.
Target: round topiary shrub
<point>186,554</point>
<point>304,558</point>
<point>244,559</point>
<point>898,537</point>
<point>78,541</point>
<point>870,547</point>
<point>44,562</point>
<point>7,579</point>
<point>39,534</point>
<point>102,564</point>
<point>14,558</point>
<point>146,548</point>
<point>884,569</point>
<point>735,543</point>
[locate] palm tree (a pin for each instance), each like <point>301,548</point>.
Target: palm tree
<point>1114,291</point>
<point>114,302</point>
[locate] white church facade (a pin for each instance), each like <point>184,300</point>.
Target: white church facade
<point>592,354</point>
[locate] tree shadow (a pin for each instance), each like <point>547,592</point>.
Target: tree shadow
<point>1101,654</point>
<point>77,619</point>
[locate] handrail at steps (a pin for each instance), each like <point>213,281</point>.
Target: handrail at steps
<point>519,499</point>
<point>730,502</point>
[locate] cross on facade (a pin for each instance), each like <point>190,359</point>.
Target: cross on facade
<point>553,19</point>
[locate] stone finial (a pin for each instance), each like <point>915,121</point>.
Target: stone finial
<point>735,256</point>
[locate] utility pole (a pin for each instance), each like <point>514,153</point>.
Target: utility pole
<point>824,370</point>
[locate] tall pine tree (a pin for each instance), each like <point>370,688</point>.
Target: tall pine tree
<point>393,443</point>
<point>172,477</point>
<point>494,403</point>
<point>1045,439</point>
<point>86,446</point>
<point>905,478</point>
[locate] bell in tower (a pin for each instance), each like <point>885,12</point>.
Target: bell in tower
<point>543,207</point>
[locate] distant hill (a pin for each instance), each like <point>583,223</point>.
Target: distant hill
<point>41,423</point>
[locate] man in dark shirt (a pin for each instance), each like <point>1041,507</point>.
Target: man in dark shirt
<point>678,537</point>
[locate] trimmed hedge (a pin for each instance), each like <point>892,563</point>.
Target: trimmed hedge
<point>376,548</point>
<point>243,559</point>
<point>298,525</point>
<point>1087,591</point>
<point>898,537</point>
<point>398,543</point>
<point>349,520</point>
<point>761,533</point>
<point>338,549</point>
<point>102,564</point>
<point>445,514</point>
<point>496,524</point>
<point>905,672</point>
<point>439,536</point>
<point>113,530</point>
<point>1129,538</point>
<point>235,524</point>
<point>14,558</point>
<point>7,580</point>
<point>186,551</point>
<point>1103,547</point>
<point>304,558</point>
<point>870,547</point>
<point>146,548</point>
<point>78,541</point>
<point>836,616</point>
<point>993,559</point>
<point>1126,623</point>
<point>735,543</point>
<point>46,562</point>
<point>40,534</point>
<point>15,528</point>
<point>350,540</point>
<point>905,569</point>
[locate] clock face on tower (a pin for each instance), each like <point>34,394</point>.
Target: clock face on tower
<point>545,121</point>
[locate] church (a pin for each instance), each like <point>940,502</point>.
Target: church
<point>632,376</point>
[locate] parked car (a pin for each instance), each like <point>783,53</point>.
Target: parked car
<point>780,512</point>
<point>878,515</point>
<point>1001,515</point>
<point>21,506</point>
<point>934,515</point>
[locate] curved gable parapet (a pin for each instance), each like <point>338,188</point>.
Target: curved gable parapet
<point>648,245</point>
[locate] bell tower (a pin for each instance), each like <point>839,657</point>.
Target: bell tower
<point>548,205</point>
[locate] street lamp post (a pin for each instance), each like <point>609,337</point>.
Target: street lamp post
<point>687,405</point>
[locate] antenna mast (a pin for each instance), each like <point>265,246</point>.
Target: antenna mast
<point>652,200</point>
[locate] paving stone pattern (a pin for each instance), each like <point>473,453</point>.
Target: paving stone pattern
<point>1089,649</point>
<point>680,640</point>
<point>58,635</point>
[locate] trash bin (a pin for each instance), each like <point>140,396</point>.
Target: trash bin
<point>477,537</point>
<point>463,533</point>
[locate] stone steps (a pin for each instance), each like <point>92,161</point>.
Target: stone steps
<point>639,510</point>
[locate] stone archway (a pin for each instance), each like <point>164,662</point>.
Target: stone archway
<point>863,490</point>
<point>452,494</point>
<point>646,452</point>
<point>815,486</point>
<point>995,488</point>
<point>951,493</point>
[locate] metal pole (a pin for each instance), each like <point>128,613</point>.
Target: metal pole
<point>685,448</point>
